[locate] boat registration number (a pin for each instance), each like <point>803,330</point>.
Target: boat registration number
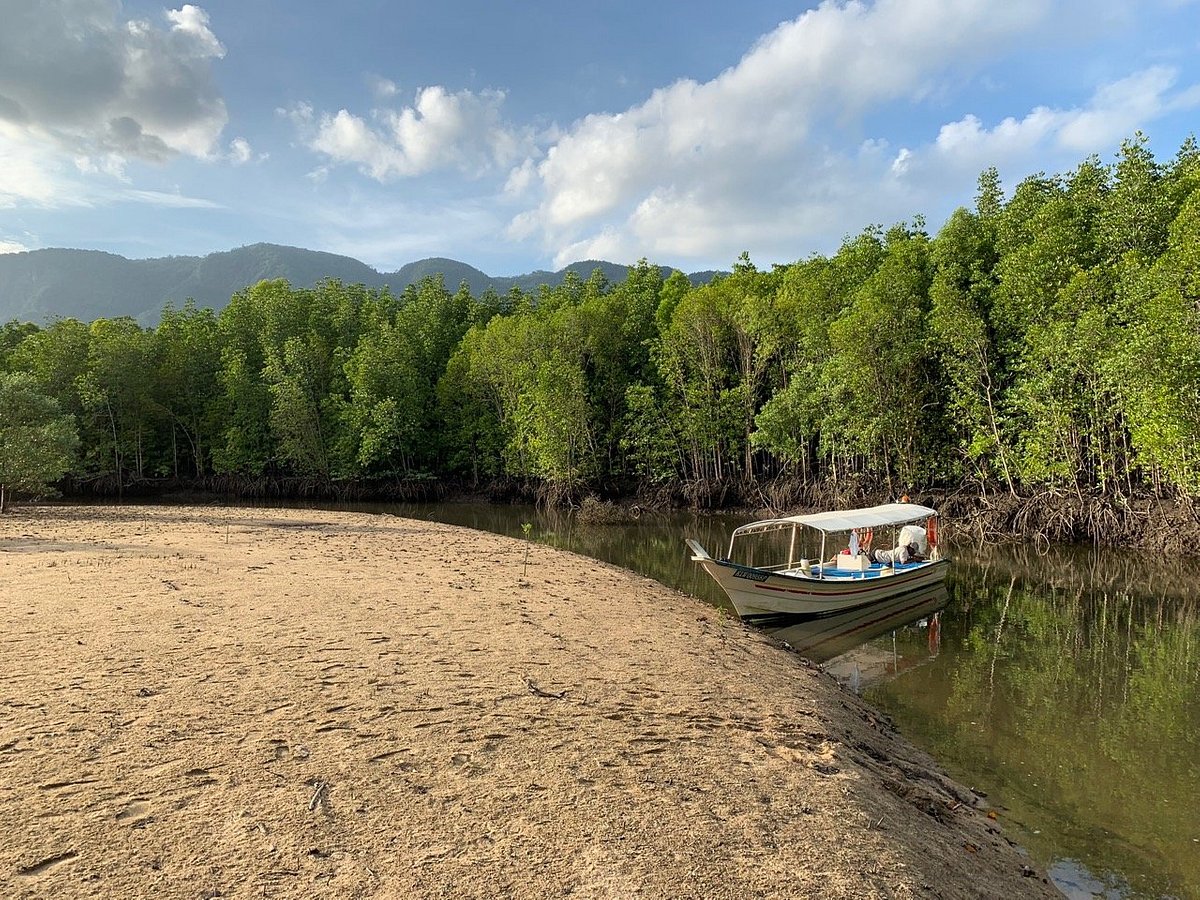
<point>749,574</point>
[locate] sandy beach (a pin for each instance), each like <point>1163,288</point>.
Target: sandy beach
<point>208,702</point>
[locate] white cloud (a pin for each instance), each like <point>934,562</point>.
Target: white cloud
<point>110,164</point>
<point>28,175</point>
<point>240,153</point>
<point>670,174</point>
<point>1117,109</point>
<point>169,200</point>
<point>192,23</point>
<point>299,114</point>
<point>382,88</point>
<point>80,85</point>
<point>968,141</point>
<point>769,155</point>
<point>776,212</point>
<point>12,247</point>
<point>1113,113</point>
<point>521,178</point>
<point>92,83</point>
<point>440,130</point>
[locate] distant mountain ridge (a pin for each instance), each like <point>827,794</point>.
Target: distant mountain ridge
<point>39,285</point>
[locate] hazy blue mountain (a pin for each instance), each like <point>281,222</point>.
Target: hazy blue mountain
<point>87,284</point>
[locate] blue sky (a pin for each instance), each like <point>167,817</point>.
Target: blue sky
<point>526,135</point>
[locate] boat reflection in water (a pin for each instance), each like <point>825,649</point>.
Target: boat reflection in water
<point>838,642</point>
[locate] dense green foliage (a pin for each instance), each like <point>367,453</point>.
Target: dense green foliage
<point>1048,339</point>
<point>36,440</point>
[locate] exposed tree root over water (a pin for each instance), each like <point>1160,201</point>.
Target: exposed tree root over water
<point>1143,522</point>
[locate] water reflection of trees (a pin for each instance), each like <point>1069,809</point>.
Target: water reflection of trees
<point>1136,571</point>
<point>1079,690</point>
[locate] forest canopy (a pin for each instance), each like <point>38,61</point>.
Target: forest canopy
<point>1047,338</point>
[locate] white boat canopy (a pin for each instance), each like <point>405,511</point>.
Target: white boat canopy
<point>845,519</point>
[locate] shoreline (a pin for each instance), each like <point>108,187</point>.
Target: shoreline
<point>221,701</point>
<point>1141,521</point>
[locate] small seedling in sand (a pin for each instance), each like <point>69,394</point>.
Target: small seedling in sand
<point>526,528</point>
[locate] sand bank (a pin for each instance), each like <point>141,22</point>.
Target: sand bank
<point>208,702</point>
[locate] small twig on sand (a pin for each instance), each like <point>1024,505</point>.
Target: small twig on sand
<point>538,692</point>
<point>320,789</point>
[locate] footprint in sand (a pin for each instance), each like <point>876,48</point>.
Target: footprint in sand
<point>136,812</point>
<point>49,862</point>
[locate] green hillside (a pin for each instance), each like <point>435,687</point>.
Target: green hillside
<point>41,285</point>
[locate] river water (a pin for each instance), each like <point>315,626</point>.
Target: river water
<point>1064,684</point>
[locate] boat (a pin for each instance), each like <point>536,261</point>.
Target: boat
<point>858,576</point>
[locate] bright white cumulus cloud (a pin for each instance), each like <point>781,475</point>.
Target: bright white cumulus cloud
<point>747,157</point>
<point>80,82</point>
<point>461,130</point>
<point>1113,113</point>
<point>763,156</point>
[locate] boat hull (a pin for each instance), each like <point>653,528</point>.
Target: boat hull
<point>764,596</point>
